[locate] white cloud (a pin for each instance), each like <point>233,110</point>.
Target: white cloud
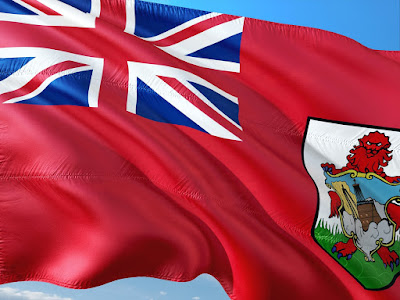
<point>162,293</point>
<point>8,293</point>
<point>196,298</point>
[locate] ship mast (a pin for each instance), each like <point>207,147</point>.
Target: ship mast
<point>359,194</point>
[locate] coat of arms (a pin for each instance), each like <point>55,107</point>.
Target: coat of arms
<point>359,207</point>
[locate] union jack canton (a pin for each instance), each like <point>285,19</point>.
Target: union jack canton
<point>168,92</point>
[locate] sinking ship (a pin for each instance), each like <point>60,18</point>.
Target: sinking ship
<point>367,209</point>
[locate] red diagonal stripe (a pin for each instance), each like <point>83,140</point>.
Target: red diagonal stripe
<point>193,30</point>
<point>39,79</point>
<point>196,101</point>
<point>43,8</point>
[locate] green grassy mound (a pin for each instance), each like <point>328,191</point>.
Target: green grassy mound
<point>372,275</point>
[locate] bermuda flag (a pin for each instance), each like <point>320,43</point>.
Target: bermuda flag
<point>140,139</point>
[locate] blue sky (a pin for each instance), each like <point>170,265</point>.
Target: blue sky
<point>373,23</point>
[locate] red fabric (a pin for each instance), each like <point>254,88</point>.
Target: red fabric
<point>93,195</point>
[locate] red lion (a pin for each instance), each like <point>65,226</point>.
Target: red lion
<point>370,156</point>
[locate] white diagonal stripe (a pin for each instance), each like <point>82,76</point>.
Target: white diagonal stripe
<point>181,75</point>
<point>149,73</point>
<point>182,27</point>
<point>209,103</point>
<point>24,75</point>
<point>46,83</point>
<point>45,58</point>
<point>26,5</point>
<point>209,63</point>
<point>206,38</point>
<point>70,16</point>
<point>69,12</point>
